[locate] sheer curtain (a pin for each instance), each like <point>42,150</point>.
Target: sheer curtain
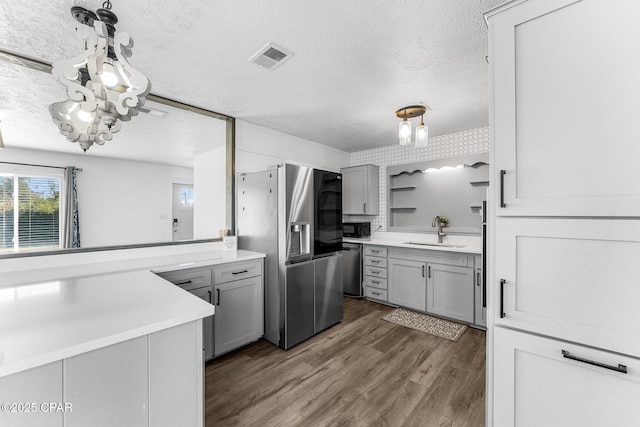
<point>69,205</point>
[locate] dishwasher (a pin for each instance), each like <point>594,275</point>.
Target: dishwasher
<point>352,269</point>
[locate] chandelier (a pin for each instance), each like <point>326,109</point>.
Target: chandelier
<point>404,130</point>
<point>102,88</point>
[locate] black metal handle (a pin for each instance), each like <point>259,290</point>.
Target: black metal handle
<point>375,251</point>
<point>375,261</point>
<point>376,282</point>
<point>183,283</point>
<point>428,272</point>
<point>364,208</point>
<point>478,278</point>
<point>218,297</point>
<point>240,272</point>
<point>619,368</point>
<point>375,272</point>
<point>502,282</point>
<point>209,292</point>
<point>502,173</point>
<point>376,293</point>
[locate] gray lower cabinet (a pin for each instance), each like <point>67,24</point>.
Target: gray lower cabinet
<point>450,291</point>
<point>239,301</point>
<point>408,281</point>
<point>239,314</point>
<point>237,291</point>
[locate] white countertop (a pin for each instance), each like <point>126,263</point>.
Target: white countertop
<point>68,313</point>
<point>452,243</point>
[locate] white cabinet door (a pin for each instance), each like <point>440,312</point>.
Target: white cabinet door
<point>577,280</point>
<point>360,186</point>
<point>565,105</point>
<point>450,291</point>
<point>239,313</point>
<point>544,382</point>
<point>109,386</point>
<point>26,392</point>
<point>176,376</point>
<point>407,283</point>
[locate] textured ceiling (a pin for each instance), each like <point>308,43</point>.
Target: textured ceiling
<point>355,63</point>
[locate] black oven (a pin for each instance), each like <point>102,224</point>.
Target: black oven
<point>356,229</point>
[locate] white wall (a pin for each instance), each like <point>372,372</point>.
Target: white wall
<point>119,202</point>
<point>258,147</point>
<point>209,215</point>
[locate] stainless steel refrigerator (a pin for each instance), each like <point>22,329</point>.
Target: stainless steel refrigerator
<point>287,212</point>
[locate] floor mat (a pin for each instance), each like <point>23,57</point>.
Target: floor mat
<point>425,323</point>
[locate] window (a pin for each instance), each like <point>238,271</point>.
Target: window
<point>29,209</point>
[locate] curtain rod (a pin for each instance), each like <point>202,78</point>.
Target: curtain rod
<point>40,166</point>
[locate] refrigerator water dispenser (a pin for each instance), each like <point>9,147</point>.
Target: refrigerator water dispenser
<point>299,236</point>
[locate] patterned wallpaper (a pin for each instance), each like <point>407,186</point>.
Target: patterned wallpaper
<point>467,142</point>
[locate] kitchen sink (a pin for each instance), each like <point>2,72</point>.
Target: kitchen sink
<point>442,245</point>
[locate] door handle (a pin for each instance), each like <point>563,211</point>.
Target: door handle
<point>218,296</point>
<point>478,278</point>
<point>364,208</point>
<point>423,271</point>
<point>502,314</point>
<point>429,272</point>
<point>210,295</point>
<point>619,368</point>
<point>502,174</point>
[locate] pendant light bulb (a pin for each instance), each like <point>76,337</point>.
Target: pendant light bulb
<point>404,132</point>
<point>422,134</point>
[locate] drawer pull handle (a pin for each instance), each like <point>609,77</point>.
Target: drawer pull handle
<point>375,252</point>
<point>375,272</point>
<point>502,173</point>
<point>377,282</point>
<point>375,261</point>
<point>376,293</point>
<point>240,272</point>
<point>186,282</point>
<point>619,368</point>
<point>502,282</point>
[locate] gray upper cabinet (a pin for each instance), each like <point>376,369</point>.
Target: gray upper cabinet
<point>360,190</point>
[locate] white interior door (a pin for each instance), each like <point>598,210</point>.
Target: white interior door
<point>182,221</point>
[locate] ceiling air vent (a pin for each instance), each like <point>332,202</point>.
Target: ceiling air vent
<point>271,56</point>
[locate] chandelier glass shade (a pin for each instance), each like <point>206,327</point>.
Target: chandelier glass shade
<point>404,130</point>
<point>103,89</point>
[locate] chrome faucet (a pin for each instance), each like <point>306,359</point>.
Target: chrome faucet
<point>436,222</point>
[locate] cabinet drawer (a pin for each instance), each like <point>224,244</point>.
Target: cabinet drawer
<point>375,251</point>
<point>375,282</point>
<point>576,385</point>
<point>375,293</point>
<point>231,272</point>
<point>375,272</point>
<point>375,261</point>
<point>189,279</point>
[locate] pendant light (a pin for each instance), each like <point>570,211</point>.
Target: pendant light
<point>405,113</point>
<point>102,87</point>
<point>422,134</point>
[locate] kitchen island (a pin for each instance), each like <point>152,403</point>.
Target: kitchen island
<point>119,347</point>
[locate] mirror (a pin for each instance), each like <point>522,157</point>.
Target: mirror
<point>125,188</point>
<point>454,188</point>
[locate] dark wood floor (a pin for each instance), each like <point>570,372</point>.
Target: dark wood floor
<point>362,372</point>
